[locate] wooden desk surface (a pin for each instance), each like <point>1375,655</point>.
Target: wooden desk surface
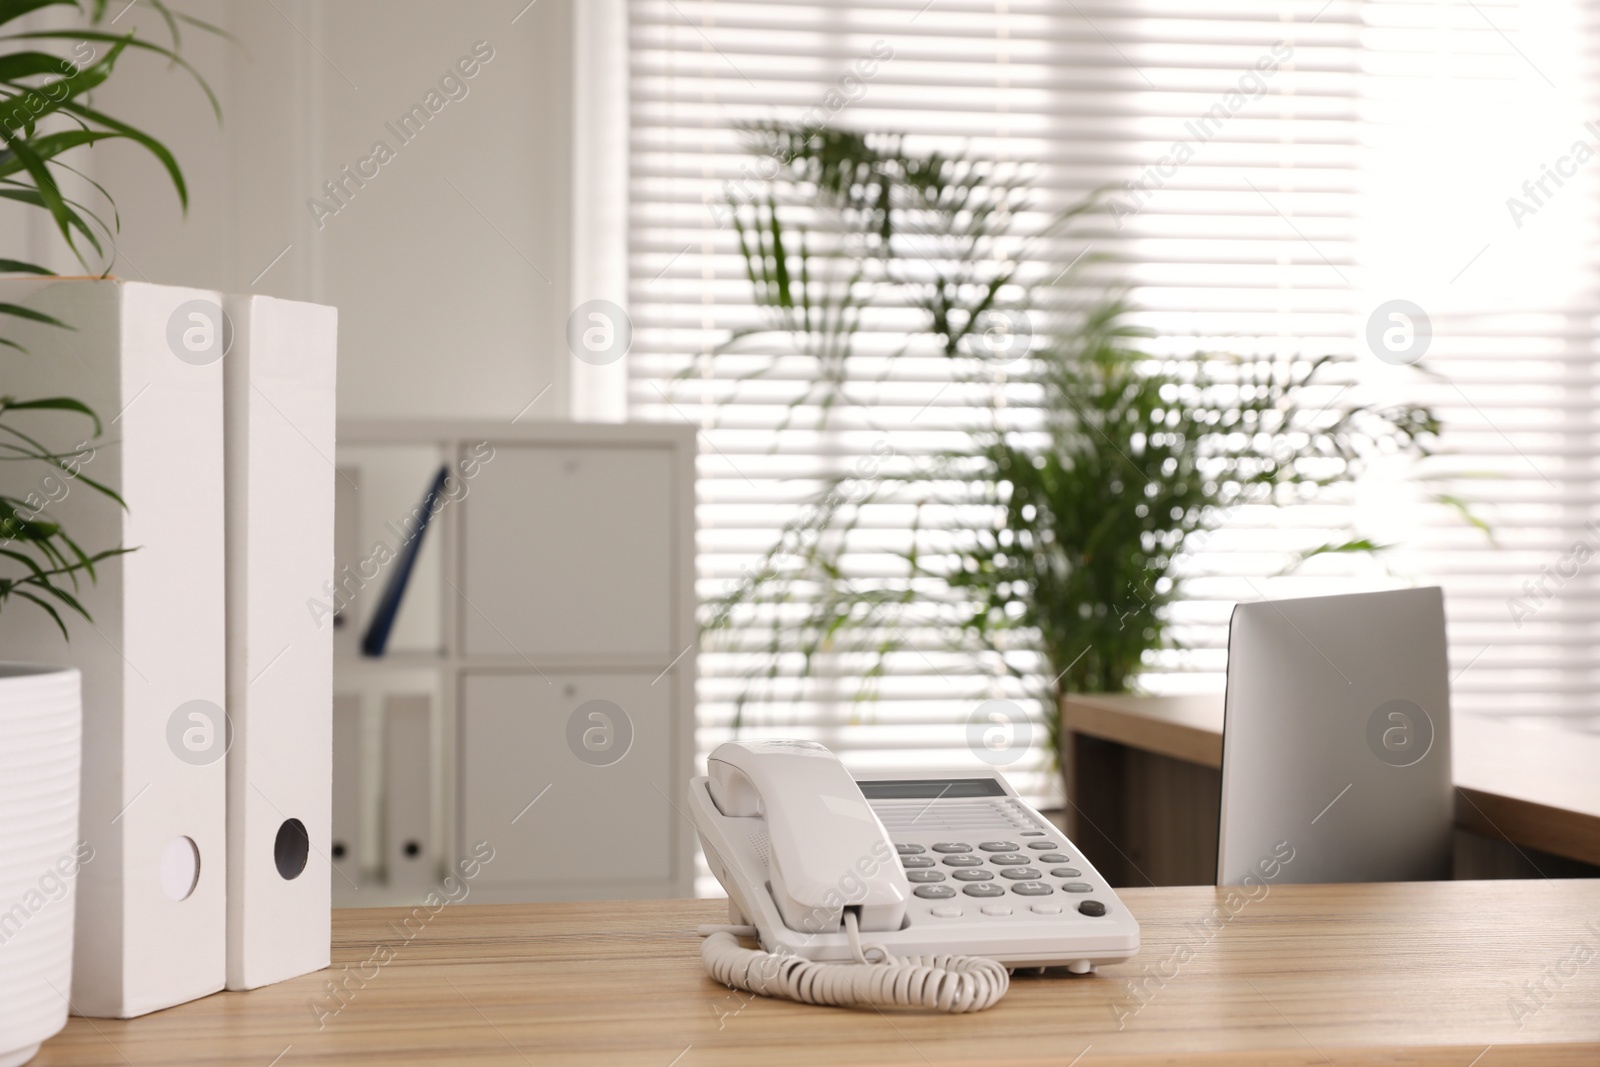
<point>1422,973</point>
<point>1539,788</point>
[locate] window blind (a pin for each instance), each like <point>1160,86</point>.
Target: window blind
<point>1480,208</point>
<point>1275,174</point>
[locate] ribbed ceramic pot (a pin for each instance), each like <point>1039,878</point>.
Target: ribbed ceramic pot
<point>41,735</point>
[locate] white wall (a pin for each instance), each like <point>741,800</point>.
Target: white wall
<point>450,268</point>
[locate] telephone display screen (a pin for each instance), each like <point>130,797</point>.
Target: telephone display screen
<point>930,788</point>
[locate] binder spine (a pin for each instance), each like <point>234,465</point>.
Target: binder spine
<point>280,441</point>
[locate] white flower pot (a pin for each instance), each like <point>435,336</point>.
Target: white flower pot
<point>40,752</point>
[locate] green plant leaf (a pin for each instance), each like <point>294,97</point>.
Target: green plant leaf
<point>26,65</point>
<point>45,185</point>
<point>23,312</point>
<point>49,608</point>
<point>213,29</point>
<point>17,266</point>
<point>153,146</point>
<point>52,145</point>
<point>11,10</point>
<point>31,196</point>
<point>15,114</point>
<point>53,403</point>
<point>128,41</point>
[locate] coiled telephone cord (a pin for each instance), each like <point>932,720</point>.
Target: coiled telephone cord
<point>878,978</point>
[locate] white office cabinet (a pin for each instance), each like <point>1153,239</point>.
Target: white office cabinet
<point>600,522</point>
<point>410,856</point>
<point>537,787</point>
<point>562,594</point>
<point>348,848</point>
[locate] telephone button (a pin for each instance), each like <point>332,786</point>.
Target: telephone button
<point>952,846</point>
<point>1046,908</point>
<point>963,861</point>
<point>1043,846</point>
<point>1055,857</point>
<point>924,876</point>
<point>910,850</point>
<point>984,889</point>
<point>908,862</point>
<point>979,875</point>
<point>946,911</point>
<point>934,892</point>
<point>997,909</point>
<point>1066,872</point>
<point>1078,887</point>
<point>1009,859</point>
<point>1031,889</point>
<point>1092,907</point>
<point>999,846</point>
<point>1024,873</point>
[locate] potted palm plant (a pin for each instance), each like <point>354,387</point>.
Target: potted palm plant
<point>1044,543</point>
<point>46,114</point>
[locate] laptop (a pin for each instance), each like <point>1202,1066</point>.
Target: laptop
<point>1336,741</point>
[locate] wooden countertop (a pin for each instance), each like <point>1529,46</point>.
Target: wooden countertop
<point>1539,788</point>
<point>1420,974</point>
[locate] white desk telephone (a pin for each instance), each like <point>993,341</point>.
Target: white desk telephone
<point>890,889</point>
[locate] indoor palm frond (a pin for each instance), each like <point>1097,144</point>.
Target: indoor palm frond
<point>1046,544</point>
<point>45,115</point>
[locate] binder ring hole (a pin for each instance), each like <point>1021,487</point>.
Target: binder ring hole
<point>291,848</point>
<point>180,868</point>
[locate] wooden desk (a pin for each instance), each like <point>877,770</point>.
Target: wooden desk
<point>1420,974</point>
<point>1157,811</point>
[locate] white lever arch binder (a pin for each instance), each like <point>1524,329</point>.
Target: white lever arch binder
<point>279,389</point>
<point>151,911</point>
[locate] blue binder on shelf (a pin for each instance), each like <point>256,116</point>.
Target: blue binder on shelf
<point>376,639</point>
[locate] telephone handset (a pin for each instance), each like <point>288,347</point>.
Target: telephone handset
<point>947,875</point>
<point>819,829</point>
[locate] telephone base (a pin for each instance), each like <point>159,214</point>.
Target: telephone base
<point>1019,923</point>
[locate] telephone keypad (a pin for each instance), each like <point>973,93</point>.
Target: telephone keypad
<point>975,867</point>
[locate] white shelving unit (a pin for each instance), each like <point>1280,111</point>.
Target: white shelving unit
<point>550,626</point>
